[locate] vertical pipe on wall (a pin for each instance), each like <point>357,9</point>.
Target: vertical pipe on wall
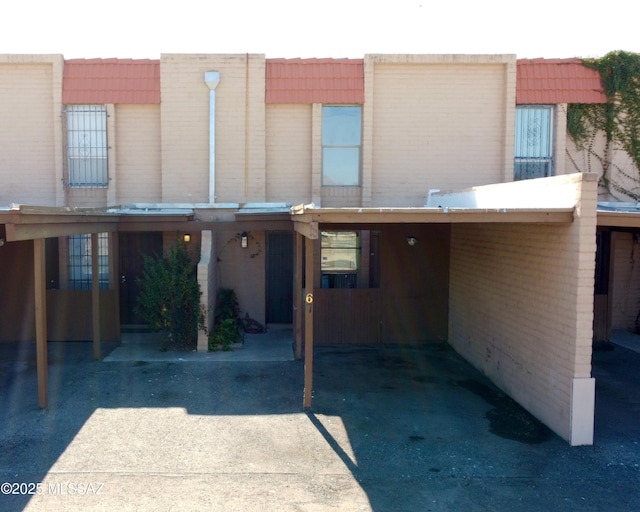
<point>246,129</point>
<point>212,78</point>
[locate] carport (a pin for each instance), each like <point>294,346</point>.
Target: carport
<point>30,227</point>
<point>520,285</point>
<point>520,290</point>
<point>616,285</point>
<point>25,230</point>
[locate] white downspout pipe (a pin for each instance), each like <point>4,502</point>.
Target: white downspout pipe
<point>212,78</point>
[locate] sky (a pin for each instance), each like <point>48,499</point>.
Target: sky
<point>312,28</point>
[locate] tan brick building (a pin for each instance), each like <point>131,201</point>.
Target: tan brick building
<point>122,157</point>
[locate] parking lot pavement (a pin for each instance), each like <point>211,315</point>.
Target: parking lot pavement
<point>392,428</point>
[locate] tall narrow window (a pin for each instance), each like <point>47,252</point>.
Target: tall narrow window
<point>87,145</point>
<point>80,270</point>
<point>341,139</point>
<point>533,143</point>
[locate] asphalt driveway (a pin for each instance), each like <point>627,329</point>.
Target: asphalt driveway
<point>393,428</point>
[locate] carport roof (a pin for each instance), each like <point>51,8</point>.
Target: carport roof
<point>619,214</point>
<point>306,213</point>
<point>543,200</point>
<point>24,222</point>
<point>307,218</point>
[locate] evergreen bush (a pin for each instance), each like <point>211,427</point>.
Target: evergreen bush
<point>169,297</point>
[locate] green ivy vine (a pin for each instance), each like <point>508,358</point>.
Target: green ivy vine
<point>618,119</point>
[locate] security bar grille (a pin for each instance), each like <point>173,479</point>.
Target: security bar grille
<point>87,145</point>
<point>533,142</point>
<point>80,271</point>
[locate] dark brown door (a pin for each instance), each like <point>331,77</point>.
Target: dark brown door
<point>133,248</point>
<point>279,278</point>
<point>601,304</point>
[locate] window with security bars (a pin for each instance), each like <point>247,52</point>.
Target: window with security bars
<point>87,145</point>
<point>80,270</point>
<point>533,142</point>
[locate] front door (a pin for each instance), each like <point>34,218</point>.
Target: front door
<point>279,278</point>
<point>133,248</point>
<point>601,306</point>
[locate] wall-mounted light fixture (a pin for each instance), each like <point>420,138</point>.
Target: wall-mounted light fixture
<point>244,240</point>
<point>187,238</point>
<point>1,242</point>
<point>412,241</point>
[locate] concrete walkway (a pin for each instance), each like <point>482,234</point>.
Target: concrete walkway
<point>274,345</point>
<point>402,428</point>
<point>626,339</point>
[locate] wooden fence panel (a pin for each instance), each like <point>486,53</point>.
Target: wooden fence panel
<point>347,316</point>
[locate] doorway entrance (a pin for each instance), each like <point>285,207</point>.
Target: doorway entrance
<point>279,308</point>
<point>601,304</point>
<point>133,248</point>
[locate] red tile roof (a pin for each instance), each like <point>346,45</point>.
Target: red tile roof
<point>315,81</point>
<point>553,81</point>
<point>539,81</point>
<point>111,81</point>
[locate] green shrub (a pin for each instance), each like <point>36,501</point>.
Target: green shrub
<point>227,328</point>
<point>224,334</point>
<point>169,297</point>
<point>227,304</point>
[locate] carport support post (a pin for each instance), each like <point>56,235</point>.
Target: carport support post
<point>297,294</point>
<point>95,296</point>
<point>41,319</point>
<point>308,323</point>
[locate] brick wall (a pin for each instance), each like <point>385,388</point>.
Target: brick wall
<point>521,309</point>
<point>622,172</point>
<point>240,121</point>
<point>206,281</point>
<point>288,160</point>
<point>444,123</point>
<point>30,145</point>
<point>243,270</point>
<point>138,176</point>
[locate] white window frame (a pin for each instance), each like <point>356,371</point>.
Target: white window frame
<point>341,151</point>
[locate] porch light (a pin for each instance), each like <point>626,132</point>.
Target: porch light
<point>412,241</point>
<point>244,240</point>
<point>187,238</point>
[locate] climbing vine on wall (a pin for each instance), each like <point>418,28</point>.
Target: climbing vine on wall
<point>618,120</point>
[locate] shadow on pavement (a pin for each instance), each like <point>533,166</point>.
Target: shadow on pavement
<point>393,428</point>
